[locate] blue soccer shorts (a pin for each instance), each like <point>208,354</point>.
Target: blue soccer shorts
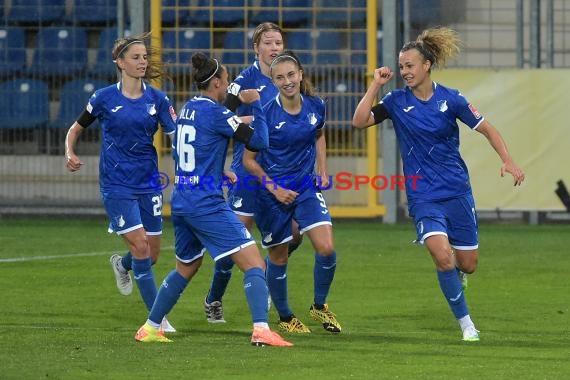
<point>455,218</point>
<point>242,196</point>
<point>274,218</point>
<point>128,213</point>
<point>220,232</point>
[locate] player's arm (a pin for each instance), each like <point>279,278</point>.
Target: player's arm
<point>321,146</point>
<point>255,135</point>
<point>283,195</point>
<point>365,114</point>
<point>497,142</point>
<point>232,101</point>
<point>73,163</point>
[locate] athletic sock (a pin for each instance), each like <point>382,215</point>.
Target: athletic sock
<point>451,287</point>
<point>256,294</point>
<point>277,283</point>
<point>142,272</point>
<point>167,296</point>
<point>323,275</point>
<point>127,261</point>
<point>220,279</point>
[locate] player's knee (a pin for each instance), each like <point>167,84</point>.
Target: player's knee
<point>325,248</point>
<point>140,249</point>
<point>469,267</point>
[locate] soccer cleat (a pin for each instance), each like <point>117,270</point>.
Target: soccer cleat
<point>165,326</point>
<point>265,337</point>
<point>471,334</point>
<point>293,326</point>
<point>214,312</point>
<point>326,317</point>
<point>123,278</point>
<point>149,334</point>
<point>463,279</point>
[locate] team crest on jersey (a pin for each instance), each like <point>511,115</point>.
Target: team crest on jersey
<point>474,111</point>
<point>312,118</point>
<point>151,109</point>
<point>238,202</point>
<point>442,105</point>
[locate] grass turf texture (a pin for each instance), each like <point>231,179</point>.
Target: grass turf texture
<point>63,318</point>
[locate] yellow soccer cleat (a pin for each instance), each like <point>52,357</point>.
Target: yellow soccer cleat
<point>294,326</point>
<point>326,317</point>
<point>149,334</point>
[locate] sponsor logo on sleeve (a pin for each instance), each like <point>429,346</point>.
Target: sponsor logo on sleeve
<point>234,122</point>
<point>474,111</point>
<point>234,88</point>
<point>172,113</point>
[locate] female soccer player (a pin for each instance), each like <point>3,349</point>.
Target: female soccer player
<point>202,219</point>
<point>289,190</point>
<point>424,115</point>
<point>129,112</point>
<point>267,44</point>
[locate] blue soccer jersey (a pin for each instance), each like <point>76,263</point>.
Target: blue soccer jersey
<point>250,78</point>
<point>202,137</point>
<point>428,135</point>
<point>290,158</point>
<point>128,159</point>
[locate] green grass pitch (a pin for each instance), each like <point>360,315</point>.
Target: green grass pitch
<point>62,317</point>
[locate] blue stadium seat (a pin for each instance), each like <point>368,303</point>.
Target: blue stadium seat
<point>93,12</point>
<point>73,98</point>
<point>104,66</point>
<point>178,47</point>
<point>24,103</point>
<point>348,14</point>
<point>36,11</point>
<point>12,51</point>
<point>172,16</point>
<point>300,42</point>
<point>326,45</point>
<point>342,97</point>
<point>60,51</point>
<point>225,12</point>
<point>237,48</point>
<point>293,12</point>
<point>341,86</point>
<point>358,47</point>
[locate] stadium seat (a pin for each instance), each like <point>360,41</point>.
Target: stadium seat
<point>289,13</point>
<point>237,48</point>
<point>12,51</point>
<point>104,66</point>
<point>341,86</point>
<point>224,12</point>
<point>93,12</point>
<point>357,47</point>
<point>36,11</point>
<point>301,43</point>
<point>178,47</point>
<point>175,16</point>
<point>333,13</point>
<point>60,52</point>
<point>73,98</point>
<point>24,103</point>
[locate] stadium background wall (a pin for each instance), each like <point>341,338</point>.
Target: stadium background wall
<point>516,50</point>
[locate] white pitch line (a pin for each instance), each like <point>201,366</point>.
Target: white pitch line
<point>55,257</point>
